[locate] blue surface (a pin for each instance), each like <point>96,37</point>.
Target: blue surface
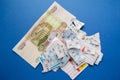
<point>17,17</point>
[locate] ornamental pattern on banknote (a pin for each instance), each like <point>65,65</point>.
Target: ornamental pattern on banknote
<point>41,32</point>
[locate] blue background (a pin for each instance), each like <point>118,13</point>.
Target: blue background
<point>17,17</point>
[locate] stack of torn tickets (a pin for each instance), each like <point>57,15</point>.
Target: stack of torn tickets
<point>57,41</point>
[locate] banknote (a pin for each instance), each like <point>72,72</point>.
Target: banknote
<point>33,44</point>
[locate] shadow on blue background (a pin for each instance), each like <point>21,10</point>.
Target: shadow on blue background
<point>17,17</point>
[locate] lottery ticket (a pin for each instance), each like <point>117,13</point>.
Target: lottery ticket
<point>55,54</point>
<point>76,23</point>
<point>92,50</point>
<point>77,56</point>
<point>78,44</point>
<point>71,71</point>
